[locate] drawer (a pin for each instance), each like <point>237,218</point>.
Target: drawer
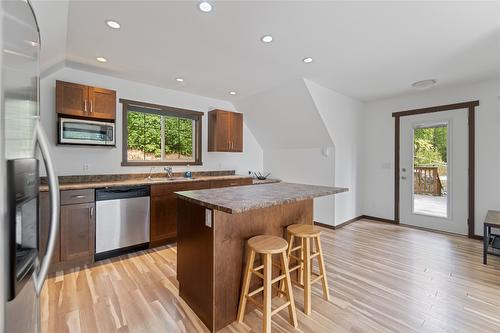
<point>70,197</point>
<point>230,182</point>
<point>166,189</point>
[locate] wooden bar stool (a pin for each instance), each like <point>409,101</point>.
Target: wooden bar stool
<point>306,277</point>
<point>267,246</point>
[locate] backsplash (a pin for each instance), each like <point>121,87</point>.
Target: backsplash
<point>121,177</point>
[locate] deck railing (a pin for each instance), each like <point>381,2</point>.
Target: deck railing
<point>426,181</point>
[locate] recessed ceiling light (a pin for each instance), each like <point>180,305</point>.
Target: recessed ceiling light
<point>179,79</point>
<point>266,39</point>
<point>424,84</point>
<point>232,93</point>
<point>113,24</point>
<point>307,60</point>
<point>101,59</point>
<point>205,6</point>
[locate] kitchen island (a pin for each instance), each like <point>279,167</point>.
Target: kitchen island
<point>213,226</point>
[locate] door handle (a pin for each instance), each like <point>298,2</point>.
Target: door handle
<point>40,275</point>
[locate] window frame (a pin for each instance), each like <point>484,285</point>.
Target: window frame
<point>164,111</point>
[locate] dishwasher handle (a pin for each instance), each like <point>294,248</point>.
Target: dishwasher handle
<point>114,193</point>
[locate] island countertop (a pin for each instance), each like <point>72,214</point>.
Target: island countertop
<point>239,199</point>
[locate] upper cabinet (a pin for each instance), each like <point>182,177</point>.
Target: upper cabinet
<point>79,100</point>
<point>225,131</point>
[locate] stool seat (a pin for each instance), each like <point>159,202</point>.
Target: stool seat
<point>304,230</point>
<point>268,244</point>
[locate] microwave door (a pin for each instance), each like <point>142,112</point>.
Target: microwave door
<point>86,132</point>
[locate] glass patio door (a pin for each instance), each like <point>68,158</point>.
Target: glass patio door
<point>433,162</point>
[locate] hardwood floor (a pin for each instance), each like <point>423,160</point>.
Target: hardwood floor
<point>382,278</point>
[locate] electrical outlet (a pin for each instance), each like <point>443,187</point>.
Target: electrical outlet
<point>86,167</point>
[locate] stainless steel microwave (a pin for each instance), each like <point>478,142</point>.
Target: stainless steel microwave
<point>86,132</point>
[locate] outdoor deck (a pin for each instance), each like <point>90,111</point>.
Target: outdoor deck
<point>430,205</point>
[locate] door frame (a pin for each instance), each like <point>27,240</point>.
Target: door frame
<point>471,107</point>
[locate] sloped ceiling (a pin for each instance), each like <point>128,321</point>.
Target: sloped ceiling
<point>363,49</point>
<point>285,117</point>
<point>52,17</point>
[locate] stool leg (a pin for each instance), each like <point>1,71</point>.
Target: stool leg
<point>322,271</point>
<point>302,258</point>
<point>307,276</point>
<point>266,315</point>
<point>291,239</point>
<point>289,291</point>
<point>246,285</point>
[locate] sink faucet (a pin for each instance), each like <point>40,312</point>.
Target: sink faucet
<point>150,173</point>
<point>168,170</point>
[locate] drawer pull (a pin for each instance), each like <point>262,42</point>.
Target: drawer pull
<point>234,184</point>
<point>79,196</point>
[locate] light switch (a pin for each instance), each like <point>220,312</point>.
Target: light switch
<point>208,218</point>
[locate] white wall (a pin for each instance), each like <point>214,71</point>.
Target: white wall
<point>70,160</point>
<point>377,180</point>
<point>341,115</point>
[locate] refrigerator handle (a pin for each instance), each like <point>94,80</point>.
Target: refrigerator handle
<point>53,183</point>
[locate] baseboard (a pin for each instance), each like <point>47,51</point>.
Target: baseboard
<point>378,219</point>
<point>477,237</point>
<point>361,217</point>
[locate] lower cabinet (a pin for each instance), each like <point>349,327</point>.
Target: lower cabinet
<point>75,242</point>
<point>77,232</point>
<point>164,210</point>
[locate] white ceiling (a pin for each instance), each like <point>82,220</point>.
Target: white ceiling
<point>366,50</point>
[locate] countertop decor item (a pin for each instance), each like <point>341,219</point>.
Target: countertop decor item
<point>260,175</point>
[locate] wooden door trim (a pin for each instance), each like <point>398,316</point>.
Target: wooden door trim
<point>471,107</point>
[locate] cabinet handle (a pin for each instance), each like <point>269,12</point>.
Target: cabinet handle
<point>91,212</point>
<point>85,106</point>
<point>91,106</point>
<point>79,196</point>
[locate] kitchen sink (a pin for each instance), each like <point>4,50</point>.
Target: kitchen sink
<point>162,179</point>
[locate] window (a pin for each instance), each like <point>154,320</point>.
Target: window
<point>160,135</point>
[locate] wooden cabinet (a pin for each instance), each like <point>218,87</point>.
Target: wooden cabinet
<point>75,239</point>
<point>164,210</point>
<point>77,232</point>
<point>79,100</point>
<point>225,131</point>
<point>230,182</point>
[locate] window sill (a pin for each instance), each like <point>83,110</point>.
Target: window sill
<point>159,163</point>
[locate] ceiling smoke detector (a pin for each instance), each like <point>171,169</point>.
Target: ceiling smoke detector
<point>424,84</point>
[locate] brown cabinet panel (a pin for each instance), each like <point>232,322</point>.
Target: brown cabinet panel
<point>230,182</point>
<point>72,99</point>
<point>164,210</point>
<point>236,132</point>
<point>102,103</point>
<point>79,100</point>
<point>70,197</point>
<point>225,131</point>
<point>77,231</point>
<point>43,229</point>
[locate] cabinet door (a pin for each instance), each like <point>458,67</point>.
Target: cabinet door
<point>236,132</point>
<point>43,229</point>
<point>77,231</point>
<point>72,99</point>
<point>218,130</point>
<point>102,103</point>
<point>164,210</point>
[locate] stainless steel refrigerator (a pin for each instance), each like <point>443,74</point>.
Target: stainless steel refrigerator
<point>23,269</point>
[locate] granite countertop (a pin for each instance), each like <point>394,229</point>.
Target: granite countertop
<point>265,181</point>
<point>239,199</point>
<point>137,181</point>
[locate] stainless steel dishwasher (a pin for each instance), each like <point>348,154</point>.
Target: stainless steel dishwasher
<point>122,220</point>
